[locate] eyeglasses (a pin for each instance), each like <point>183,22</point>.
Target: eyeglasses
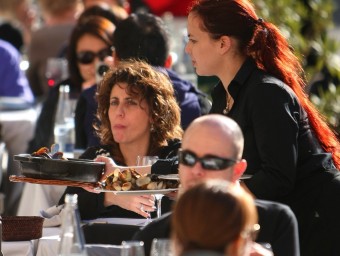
<point>87,57</point>
<point>208,162</point>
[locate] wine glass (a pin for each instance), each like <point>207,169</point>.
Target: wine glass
<point>150,160</point>
<point>132,248</point>
<point>147,161</point>
<point>161,247</point>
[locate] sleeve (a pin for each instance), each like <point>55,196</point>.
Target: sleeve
<point>80,113</point>
<point>168,162</point>
<point>165,166</point>
<point>44,129</point>
<point>159,228</point>
<point>272,137</point>
<point>278,227</point>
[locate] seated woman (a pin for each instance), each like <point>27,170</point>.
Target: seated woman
<point>215,217</point>
<point>89,44</point>
<point>138,115</point>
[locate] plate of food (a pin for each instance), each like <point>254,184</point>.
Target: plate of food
<point>43,165</point>
<point>128,180</point>
<point>138,192</point>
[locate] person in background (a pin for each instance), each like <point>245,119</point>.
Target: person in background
<point>232,220</point>
<point>212,148</point>
<point>292,153</point>
<point>90,43</point>
<point>13,80</point>
<point>178,8</point>
<point>16,21</point>
<point>144,37</point>
<point>14,84</point>
<point>86,104</point>
<point>138,116</point>
<point>59,18</point>
<point>111,12</point>
<point>120,8</point>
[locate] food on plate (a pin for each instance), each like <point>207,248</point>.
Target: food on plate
<point>46,153</point>
<point>130,179</point>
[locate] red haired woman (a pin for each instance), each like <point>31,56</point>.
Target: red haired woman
<point>291,152</point>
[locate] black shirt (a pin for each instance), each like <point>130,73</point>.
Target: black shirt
<point>280,147</point>
<point>277,221</point>
<point>91,205</point>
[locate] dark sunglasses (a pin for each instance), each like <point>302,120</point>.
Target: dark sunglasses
<point>208,162</point>
<point>87,57</point>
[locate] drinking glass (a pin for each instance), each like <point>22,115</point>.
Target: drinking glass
<point>150,160</point>
<point>147,161</point>
<point>161,247</point>
<point>56,70</point>
<point>132,248</point>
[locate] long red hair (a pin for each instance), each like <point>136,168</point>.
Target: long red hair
<point>264,42</point>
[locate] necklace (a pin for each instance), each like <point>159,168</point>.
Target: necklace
<point>227,109</point>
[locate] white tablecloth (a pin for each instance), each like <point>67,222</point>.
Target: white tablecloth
<point>16,248</point>
<point>17,128</point>
<point>36,197</point>
<point>48,244</point>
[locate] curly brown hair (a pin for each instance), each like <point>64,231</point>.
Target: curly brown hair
<point>148,84</point>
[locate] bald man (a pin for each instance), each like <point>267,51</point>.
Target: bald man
<point>212,148</point>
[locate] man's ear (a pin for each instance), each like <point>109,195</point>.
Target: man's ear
<point>225,44</point>
<point>168,61</point>
<point>239,168</point>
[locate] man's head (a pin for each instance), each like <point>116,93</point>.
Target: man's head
<point>142,36</point>
<point>208,137</point>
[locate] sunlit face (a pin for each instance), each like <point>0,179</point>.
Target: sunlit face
<point>201,48</point>
<point>91,43</point>
<point>202,140</point>
<point>130,122</point>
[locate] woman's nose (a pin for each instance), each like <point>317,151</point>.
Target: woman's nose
<point>120,110</point>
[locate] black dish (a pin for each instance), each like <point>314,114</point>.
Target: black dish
<point>72,169</point>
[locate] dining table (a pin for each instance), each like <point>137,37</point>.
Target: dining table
<point>17,129</point>
<point>49,242</point>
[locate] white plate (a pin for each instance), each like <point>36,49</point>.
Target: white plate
<point>138,192</point>
<point>169,177</point>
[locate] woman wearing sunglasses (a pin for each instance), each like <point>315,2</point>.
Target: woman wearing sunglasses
<point>89,44</point>
<point>291,152</point>
<point>139,116</point>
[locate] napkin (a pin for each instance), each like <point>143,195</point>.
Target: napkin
<point>52,216</point>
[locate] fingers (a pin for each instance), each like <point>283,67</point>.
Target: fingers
<point>91,189</point>
<point>145,210</point>
<point>110,165</point>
